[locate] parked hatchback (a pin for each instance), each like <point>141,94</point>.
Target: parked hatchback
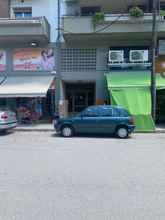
<point>102,119</point>
<point>7,119</point>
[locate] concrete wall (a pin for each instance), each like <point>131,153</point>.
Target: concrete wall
<point>47,8</point>
<point>97,75</point>
<point>4,8</point>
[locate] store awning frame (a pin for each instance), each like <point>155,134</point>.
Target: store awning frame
<point>25,86</point>
<point>127,78</point>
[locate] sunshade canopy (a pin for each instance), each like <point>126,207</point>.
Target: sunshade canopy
<point>133,79</point>
<point>25,86</point>
<point>131,89</point>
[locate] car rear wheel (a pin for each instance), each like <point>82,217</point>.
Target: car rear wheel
<point>122,132</point>
<point>67,131</point>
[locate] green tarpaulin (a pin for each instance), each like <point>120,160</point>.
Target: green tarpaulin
<point>131,89</point>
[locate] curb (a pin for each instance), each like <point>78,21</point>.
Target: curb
<point>52,130</point>
<point>34,129</point>
<point>160,131</point>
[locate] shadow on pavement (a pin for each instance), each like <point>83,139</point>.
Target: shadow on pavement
<point>88,136</point>
<point>5,133</point>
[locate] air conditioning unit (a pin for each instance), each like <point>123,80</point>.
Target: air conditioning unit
<point>116,56</point>
<point>138,56</point>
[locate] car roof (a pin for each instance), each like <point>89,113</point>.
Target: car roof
<point>107,106</point>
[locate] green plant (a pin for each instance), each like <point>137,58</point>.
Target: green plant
<point>162,12</point>
<point>136,12</point>
<point>97,18</point>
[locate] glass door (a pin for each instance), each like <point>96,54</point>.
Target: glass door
<point>79,97</point>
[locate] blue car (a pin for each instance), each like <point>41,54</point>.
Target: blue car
<point>99,119</point>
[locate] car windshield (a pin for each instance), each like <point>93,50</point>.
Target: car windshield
<point>104,111</point>
<point>124,112</point>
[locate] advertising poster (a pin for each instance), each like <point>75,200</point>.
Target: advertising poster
<point>33,59</point>
<point>2,60</point>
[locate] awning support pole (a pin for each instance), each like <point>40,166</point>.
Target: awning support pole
<point>153,72</point>
<point>58,58</point>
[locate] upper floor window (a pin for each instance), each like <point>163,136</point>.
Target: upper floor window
<point>89,11</point>
<point>162,6</point>
<point>22,12</point>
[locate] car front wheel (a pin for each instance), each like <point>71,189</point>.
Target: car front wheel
<point>67,131</point>
<point>122,132</point>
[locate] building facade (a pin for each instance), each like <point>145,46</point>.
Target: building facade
<point>91,31</point>
<point>27,56</point>
<point>90,39</point>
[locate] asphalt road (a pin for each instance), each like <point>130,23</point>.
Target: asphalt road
<point>44,177</point>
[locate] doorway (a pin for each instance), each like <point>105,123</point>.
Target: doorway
<point>160,108</point>
<point>80,96</point>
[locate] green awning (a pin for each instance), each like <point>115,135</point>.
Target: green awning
<point>131,89</point>
<point>133,79</point>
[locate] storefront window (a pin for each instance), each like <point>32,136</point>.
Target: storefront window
<point>29,109</point>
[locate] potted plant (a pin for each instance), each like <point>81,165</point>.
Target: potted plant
<point>97,18</point>
<point>136,12</point>
<point>162,14</point>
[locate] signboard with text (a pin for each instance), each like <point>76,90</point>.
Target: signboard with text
<point>33,59</point>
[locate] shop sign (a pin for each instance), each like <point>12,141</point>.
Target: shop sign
<point>2,60</point>
<point>33,59</point>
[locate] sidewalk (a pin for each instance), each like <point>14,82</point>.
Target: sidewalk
<point>160,128</point>
<point>35,127</point>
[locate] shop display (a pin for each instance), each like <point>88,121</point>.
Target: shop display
<point>30,111</point>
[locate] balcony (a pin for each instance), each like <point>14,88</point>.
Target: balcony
<point>114,27</point>
<point>35,29</point>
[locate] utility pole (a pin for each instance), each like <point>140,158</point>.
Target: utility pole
<point>153,72</point>
<point>58,56</point>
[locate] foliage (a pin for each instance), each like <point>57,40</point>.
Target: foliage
<point>97,18</point>
<point>136,12</point>
<point>162,12</point>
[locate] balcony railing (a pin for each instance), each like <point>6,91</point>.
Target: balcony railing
<point>24,29</point>
<point>116,25</point>
<point>127,18</point>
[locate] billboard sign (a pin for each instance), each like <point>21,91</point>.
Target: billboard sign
<point>33,59</point>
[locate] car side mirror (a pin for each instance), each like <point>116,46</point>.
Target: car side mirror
<point>81,115</point>
<point>56,116</point>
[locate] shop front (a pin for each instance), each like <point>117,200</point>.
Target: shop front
<point>131,89</point>
<point>26,84</point>
<point>160,95</point>
<point>31,97</point>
